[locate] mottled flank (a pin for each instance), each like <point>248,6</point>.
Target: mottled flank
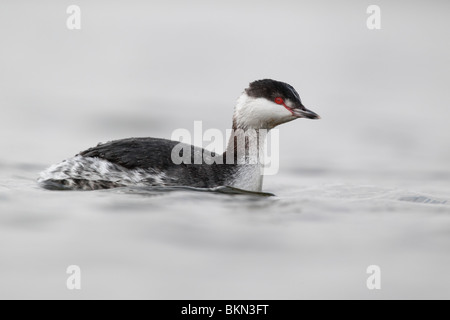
<point>134,162</point>
<point>84,173</point>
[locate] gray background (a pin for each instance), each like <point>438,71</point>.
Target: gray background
<point>367,184</point>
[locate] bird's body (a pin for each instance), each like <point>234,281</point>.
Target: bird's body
<point>135,161</point>
<point>150,161</point>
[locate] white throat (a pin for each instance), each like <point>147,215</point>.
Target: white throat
<point>259,113</point>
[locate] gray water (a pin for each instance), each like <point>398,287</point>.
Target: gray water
<point>369,184</point>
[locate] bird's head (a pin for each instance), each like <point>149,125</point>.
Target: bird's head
<point>267,103</point>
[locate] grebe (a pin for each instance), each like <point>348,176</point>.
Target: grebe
<point>264,105</point>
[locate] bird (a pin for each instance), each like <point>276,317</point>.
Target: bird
<point>154,162</point>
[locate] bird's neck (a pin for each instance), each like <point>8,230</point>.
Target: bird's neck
<point>248,138</point>
<point>246,146</point>
<point>246,149</point>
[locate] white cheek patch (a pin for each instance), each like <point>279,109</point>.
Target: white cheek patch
<point>260,113</point>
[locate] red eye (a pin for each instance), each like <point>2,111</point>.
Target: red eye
<point>279,100</point>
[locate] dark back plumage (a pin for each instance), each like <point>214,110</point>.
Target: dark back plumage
<point>155,155</point>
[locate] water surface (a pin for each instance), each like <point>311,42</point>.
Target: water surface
<point>369,184</point>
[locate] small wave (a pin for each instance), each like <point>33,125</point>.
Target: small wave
<point>423,199</point>
<point>231,190</point>
<point>223,190</point>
